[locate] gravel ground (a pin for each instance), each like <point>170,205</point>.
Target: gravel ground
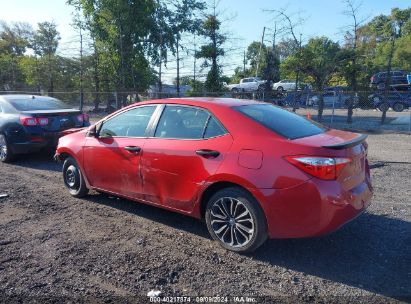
<point>362,120</point>
<point>55,247</point>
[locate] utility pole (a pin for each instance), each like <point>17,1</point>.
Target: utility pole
<point>195,53</point>
<point>274,54</point>
<point>178,70</point>
<point>123,81</point>
<point>160,84</point>
<point>259,53</point>
<point>81,72</point>
<point>297,79</point>
<point>244,62</point>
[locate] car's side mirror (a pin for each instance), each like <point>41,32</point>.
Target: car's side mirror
<point>92,132</point>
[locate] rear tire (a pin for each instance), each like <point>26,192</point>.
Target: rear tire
<point>280,89</point>
<point>73,178</point>
<point>6,155</point>
<point>398,107</point>
<point>235,220</point>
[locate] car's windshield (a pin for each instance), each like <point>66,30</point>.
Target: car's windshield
<point>280,121</point>
<point>35,104</point>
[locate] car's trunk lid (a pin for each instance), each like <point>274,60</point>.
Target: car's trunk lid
<point>58,120</point>
<point>340,144</point>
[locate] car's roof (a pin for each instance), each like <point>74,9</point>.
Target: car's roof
<point>204,101</point>
<point>9,97</point>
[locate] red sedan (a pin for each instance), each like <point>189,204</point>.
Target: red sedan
<point>252,170</point>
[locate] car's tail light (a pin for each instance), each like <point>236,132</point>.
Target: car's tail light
<point>34,121</point>
<point>83,117</point>
<point>28,121</point>
<point>327,168</point>
<point>42,121</point>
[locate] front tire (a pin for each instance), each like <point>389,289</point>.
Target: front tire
<point>280,89</point>
<point>6,155</point>
<point>384,107</point>
<point>73,178</point>
<point>235,220</point>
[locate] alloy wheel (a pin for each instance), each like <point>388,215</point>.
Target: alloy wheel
<point>3,148</point>
<point>232,222</point>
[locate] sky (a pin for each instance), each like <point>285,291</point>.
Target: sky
<point>245,22</point>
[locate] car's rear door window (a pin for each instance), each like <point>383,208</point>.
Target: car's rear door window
<point>187,122</point>
<point>132,123</point>
<point>280,121</point>
<point>214,129</point>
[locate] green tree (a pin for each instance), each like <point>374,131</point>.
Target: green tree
<point>45,43</point>
<point>320,60</point>
<point>14,41</point>
<point>212,51</point>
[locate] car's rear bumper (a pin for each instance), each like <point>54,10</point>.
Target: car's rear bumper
<point>28,147</point>
<point>313,208</point>
<point>35,142</point>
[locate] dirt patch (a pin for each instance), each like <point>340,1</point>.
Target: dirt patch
<point>53,245</point>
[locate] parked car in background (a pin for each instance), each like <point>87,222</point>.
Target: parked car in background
<point>335,97</point>
<point>250,84</point>
<point>378,80</point>
<point>284,85</point>
<point>398,98</point>
<point>289,85</point>
<point>213,159</point>
<point>29,123</point>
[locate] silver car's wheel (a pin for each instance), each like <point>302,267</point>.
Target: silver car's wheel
<point>235,219</point>
<point>232,222</point>
<point>5,154</point>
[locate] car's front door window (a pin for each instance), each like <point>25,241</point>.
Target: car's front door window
<point>132,123</point>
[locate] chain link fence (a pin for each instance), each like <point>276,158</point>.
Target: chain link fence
<point>371,111</point>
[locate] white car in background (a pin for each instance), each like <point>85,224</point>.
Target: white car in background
<point>284,85</point>
<point>250,84</point>
<point>289,85</point>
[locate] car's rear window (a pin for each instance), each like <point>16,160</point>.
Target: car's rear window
<point>280,121</point>
<point>34,104</point>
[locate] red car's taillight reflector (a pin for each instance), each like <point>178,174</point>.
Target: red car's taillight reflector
<point>37,139</point>
<point>326,168</point>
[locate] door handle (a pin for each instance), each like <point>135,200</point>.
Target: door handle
<point>133,149</point>
<point>208,153</point>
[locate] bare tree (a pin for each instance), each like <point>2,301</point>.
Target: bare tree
<point>352,10</point>
<point>288,25</point>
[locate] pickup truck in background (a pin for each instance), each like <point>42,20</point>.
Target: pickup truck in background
<point>250,84</point>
